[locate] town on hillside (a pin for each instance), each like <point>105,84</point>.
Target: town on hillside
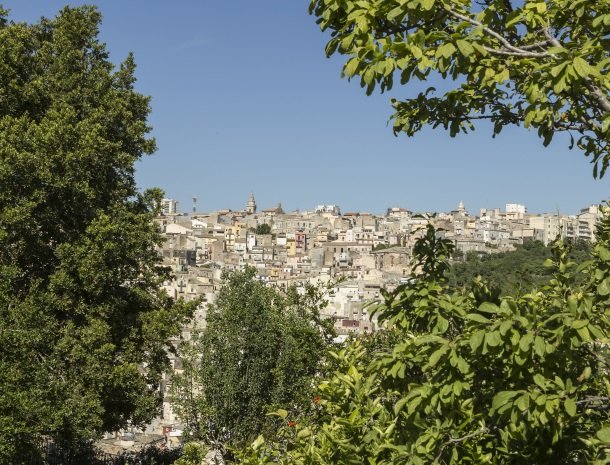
<point>357,253</point>
<point>362,252</point>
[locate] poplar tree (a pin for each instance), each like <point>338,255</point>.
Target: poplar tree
<point>261,349</point>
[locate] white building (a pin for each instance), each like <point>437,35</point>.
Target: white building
<point>587,220</point>
<point>169,206</point>
<point>333,209</point>
<point>516,208</point>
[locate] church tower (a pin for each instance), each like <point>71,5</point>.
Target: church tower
<point>251,206</point>
<point>461,209</point>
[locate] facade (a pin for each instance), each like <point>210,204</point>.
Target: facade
<point>332,209</point>
<point>516,208</point>
<point>549,226</point>
<point>169,207</point>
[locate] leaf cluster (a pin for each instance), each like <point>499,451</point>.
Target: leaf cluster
<point>538,63</point>
<point>262,229</point>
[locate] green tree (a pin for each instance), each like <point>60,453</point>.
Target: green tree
<point>540,63</point>
<point>473,378</point>
<point>514,272</point>
<point>261,349</point>
<point>263,229</point>
<point>84,324</point>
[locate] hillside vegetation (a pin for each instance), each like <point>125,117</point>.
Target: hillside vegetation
<point>514,273</point>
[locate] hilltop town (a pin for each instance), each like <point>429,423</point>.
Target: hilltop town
<point>356,254</point>
<point>360,252</point>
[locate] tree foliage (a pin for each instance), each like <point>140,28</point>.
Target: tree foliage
<point>472,378</point>
<point>514,272</point>
<point>261,349</point>
<point>84,326</point>
<point>540,63</point>
<point>262,229</point>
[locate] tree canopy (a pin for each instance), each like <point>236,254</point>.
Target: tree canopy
<point>261,349</point>
<point>512,273</point>
<point>84,325</point>
<point>262,229</point>
<point>540,63</point>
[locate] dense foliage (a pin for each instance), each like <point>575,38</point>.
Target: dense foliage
<point>512,273</point>
<point>540,63</point>
<point>84,326</point>
<point>262,229</point>
<point>261,349</point>
<point>472,378</point>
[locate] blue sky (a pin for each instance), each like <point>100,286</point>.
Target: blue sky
<point>244,99</point>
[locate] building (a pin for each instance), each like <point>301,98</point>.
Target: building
<point>548,226</point>
<point>169,206</point>
<point>587,220</point>
<point>332,209</point>
<point>516,208</point>
<point>251,205</point>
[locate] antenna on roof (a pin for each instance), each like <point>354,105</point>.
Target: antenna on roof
<point>194,204</point>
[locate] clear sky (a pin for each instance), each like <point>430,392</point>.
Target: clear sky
<point>244,99</point>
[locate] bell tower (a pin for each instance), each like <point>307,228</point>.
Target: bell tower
<point>251,206</point>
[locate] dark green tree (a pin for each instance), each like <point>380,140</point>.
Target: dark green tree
<point>261,349</point>
<point>515,272</point>
<point>263,229</point>
<point>84,325</point>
